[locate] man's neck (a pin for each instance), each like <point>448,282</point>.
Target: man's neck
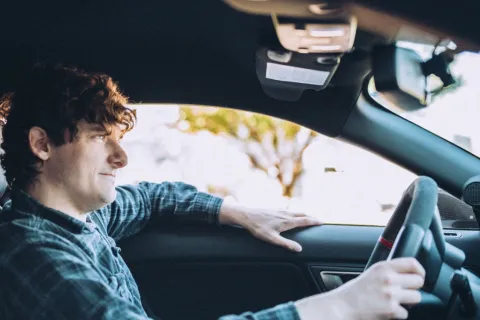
<point>54,197</point>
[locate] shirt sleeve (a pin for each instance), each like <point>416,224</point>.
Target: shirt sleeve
<point>286,311</point>
<point>60,285</point>
<point>136,205</point>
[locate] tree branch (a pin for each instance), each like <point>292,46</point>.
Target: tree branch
<point>298,166</point>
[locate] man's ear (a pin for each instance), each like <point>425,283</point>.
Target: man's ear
<point>39,143</point>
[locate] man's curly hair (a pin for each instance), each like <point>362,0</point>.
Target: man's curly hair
<point>55,98</point>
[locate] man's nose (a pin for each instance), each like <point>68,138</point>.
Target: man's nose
<point>119,157</point>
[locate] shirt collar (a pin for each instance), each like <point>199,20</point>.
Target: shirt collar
<point>21,201</point>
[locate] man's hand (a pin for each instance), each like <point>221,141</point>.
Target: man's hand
<point>267,224</point>
<point>377,294</point>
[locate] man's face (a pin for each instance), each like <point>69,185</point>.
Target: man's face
<point>84,170</point>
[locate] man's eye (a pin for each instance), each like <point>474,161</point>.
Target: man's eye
<point>101,137</point>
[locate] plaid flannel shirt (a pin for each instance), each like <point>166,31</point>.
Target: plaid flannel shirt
<point>53,266</point>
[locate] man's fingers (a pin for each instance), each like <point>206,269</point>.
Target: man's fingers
<point>408,281</point>
<point>303,215</point>
<point>284,242</point>
<point>298,222</point>
<point>306,221</point>
<point>299,214</point>
<point>406,296</point>
<point>407,265</point>
<point>399,312</point>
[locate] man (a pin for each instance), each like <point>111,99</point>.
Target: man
<point>58,257</point>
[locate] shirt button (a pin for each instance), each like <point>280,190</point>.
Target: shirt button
<point>116,251</point>
<point>86,230</point>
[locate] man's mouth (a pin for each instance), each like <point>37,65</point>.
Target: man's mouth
<point>108,174</point>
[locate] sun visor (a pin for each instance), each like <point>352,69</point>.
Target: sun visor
<point>285,75</point>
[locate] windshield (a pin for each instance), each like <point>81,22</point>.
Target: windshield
<point>454,113</point>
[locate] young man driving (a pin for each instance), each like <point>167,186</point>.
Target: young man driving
<point>58,254</point>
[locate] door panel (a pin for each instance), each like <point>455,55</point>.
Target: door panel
<point>189,272</point>
<point>332,243</point>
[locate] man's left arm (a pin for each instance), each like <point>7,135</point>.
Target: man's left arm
<point>136,205</point>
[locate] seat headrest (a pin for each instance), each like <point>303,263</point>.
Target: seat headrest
<point>4,190</point>
<point>3,183</point>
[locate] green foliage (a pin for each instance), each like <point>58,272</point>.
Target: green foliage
<point>259,129</point>
<point>228,121</point>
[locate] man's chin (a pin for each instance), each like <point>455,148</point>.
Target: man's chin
<point>111,196</point>
<point>107,198</point>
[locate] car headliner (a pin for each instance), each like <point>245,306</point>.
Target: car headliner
<point>192,52</point>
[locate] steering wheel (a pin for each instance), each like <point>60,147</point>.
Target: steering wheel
<point>414,229</point>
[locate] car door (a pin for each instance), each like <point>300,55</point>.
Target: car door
<point>202,273</point>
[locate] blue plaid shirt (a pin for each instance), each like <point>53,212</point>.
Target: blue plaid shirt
<point>53,266</point>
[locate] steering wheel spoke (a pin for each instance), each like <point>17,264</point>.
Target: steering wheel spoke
<point>414,221</point>
<point>409,242</point>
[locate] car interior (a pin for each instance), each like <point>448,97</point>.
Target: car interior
<point>306,61</point>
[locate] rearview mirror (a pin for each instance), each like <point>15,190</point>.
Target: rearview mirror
<point>398,75</point>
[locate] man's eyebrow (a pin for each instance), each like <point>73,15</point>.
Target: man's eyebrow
<point>97,128</point>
